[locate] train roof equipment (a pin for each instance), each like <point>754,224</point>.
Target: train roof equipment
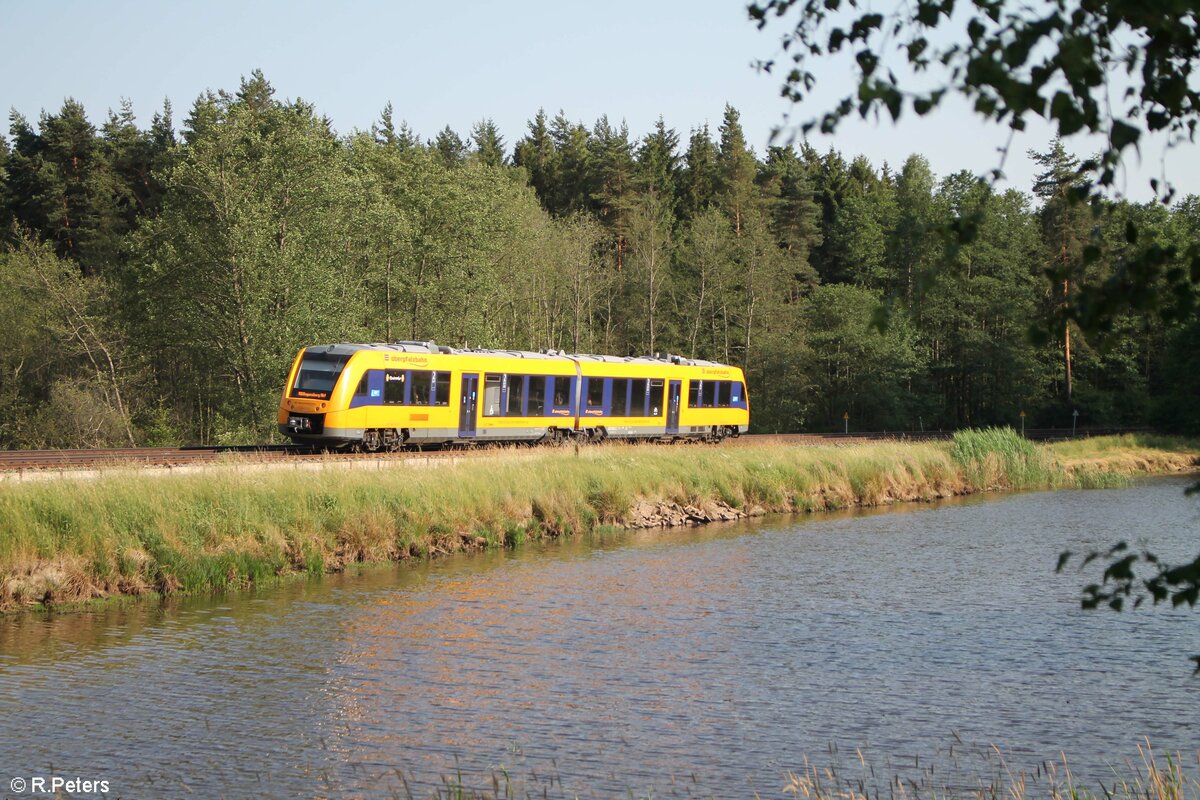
<point>348,348</point>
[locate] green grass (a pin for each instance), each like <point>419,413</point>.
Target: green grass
<point>1002,458</point>
<point>1091,447</point>
<point>130,532</point>
<point>978,773</point>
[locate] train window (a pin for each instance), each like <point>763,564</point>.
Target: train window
<point>363,388</point>
<point>441,388</point>
<point>638,392</point>
<point>695,394</point>
<point>516,396</point>
<point>562,392</point>
<point>537,395</point>
<point>620,397</point>
<point>317,374</point>
<point>656,398</point>
<point>491,396</point>
<point>393,386</point>
<point>739,392</point>
<point>422,387</point>
<point>595,392</point>
<point>723,388</point>
<point>711,394</point>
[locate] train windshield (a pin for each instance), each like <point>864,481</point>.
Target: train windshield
<point>317,374</point>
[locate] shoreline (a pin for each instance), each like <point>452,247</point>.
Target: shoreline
<point>72,543</point>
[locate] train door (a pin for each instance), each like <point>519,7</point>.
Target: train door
<point>673,394</point>
<point>467,404</point>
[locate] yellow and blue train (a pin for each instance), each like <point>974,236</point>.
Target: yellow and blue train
<point>387,396</point>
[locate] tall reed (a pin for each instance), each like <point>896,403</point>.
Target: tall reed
<point>1000,458</point>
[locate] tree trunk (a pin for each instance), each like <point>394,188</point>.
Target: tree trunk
<point>387,299</point>
<point>1067,338</point>
<point>699,314</point>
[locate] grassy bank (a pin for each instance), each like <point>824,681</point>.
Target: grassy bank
<point>129,532</point>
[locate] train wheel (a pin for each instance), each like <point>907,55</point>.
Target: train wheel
<point>372,441</point>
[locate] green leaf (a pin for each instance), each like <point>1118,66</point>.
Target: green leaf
<point>1123,135</point>
<point>863,26</point>
<point>1070,118</point>
<point>975,29</point>
<point>916,48</point>
<point>894,102</point>
<point>867,61</point>
<point>927,13</point>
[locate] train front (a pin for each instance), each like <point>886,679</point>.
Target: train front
<point>312,396</point>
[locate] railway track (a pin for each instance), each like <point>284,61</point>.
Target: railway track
<point>174,457</point>
<point>124,456</point>
<point>169,457</point>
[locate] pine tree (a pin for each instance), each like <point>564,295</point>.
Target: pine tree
<point>163,150</point>
<point>256,94</point>
<point>851,249</point>
<point>611,166</point>
<point>384,131</point>
<point>611,179</point>
<point>795,217</point>
<point>203,118</point>
<point>6,211</point>
<point>863,179</point>
<point>911,250</point>
<point>65,181</point>
<point>736,167</point>
<point>127,150</point>
<point>24,165</point>
<point>489,146</point>
<point>1064,226</point>
<point>700,175</point>
<point>537,155</point>
<point>162,127</point>
<point>449,147</point>
<point>575,178</point>
<point>836,185</point>
<point>658,162</point>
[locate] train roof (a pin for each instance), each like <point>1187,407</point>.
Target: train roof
<point>346,349</point>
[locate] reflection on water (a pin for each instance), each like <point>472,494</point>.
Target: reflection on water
<point>688,663</point>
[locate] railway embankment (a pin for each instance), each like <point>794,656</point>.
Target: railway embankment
<point>68,542</point>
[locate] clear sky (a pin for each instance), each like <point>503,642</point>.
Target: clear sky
<point>458,62</point>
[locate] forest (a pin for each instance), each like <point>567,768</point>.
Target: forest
<point>159,281</point>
